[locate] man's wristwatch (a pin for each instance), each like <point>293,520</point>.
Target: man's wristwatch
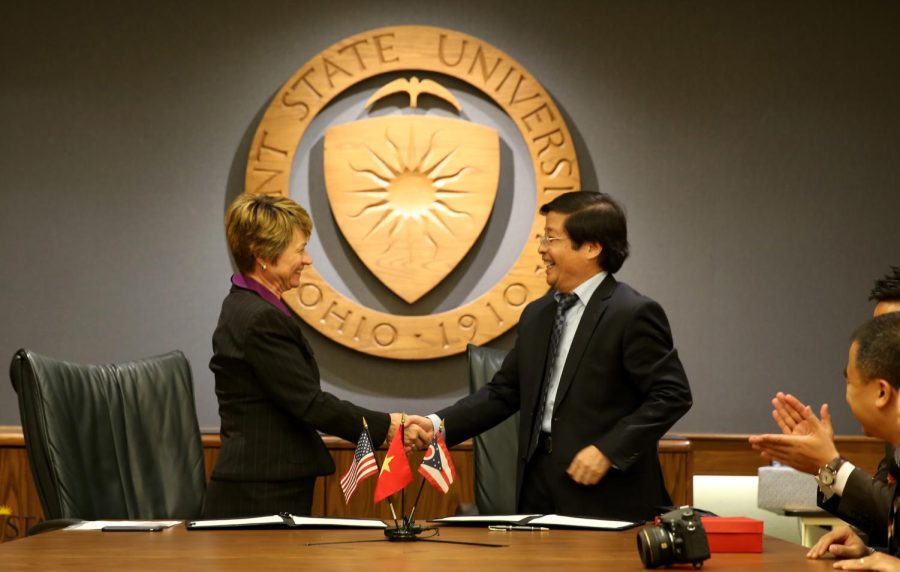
<point>827,475</point>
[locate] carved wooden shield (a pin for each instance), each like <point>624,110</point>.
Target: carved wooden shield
<point>411,194</point>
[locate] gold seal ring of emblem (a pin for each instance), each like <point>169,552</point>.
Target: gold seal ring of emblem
<point>430,179</point>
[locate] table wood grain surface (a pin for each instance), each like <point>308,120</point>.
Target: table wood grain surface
<point>178,549</point>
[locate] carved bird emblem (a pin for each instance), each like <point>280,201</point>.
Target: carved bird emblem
<point>414,87</point>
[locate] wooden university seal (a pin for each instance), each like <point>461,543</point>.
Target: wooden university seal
<point>412,193</point>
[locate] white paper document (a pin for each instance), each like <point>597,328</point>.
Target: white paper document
<point>310,521</point>
<point>577,522</point>
<point>483,519</point>
<point>249,521</point>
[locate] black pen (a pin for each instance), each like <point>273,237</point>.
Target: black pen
<point>516,527</point>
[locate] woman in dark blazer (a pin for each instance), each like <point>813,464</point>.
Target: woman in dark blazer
<point>270,400</point>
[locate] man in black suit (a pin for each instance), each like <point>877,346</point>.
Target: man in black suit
<point>807,444</point>
<point>873,394</point>
<point>594,373</point>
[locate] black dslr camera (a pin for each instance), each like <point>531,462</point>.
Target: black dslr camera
<point>679,538</point>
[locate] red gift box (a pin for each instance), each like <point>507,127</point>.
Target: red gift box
<point>733,533</point>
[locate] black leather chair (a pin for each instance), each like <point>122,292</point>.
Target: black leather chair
<point>494,450</point>
<point>118,441</point>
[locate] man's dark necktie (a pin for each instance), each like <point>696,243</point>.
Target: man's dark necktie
<point>563,303</point>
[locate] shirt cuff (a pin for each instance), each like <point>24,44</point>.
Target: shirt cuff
<point>436,423</point>
<point>840,480</point>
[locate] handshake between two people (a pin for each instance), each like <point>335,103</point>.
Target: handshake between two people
<point>588,466</point>
<point>418,431</point>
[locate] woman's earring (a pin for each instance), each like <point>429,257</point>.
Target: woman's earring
<point>264,265</point>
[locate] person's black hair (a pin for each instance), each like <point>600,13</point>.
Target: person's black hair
<point>887,289</point>
<point>878,349</point>
<point>594,217</point>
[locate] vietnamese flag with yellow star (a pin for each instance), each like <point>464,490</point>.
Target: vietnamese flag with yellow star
<point>395,472</point>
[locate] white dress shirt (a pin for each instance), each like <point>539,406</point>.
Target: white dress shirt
<point>584,291</point>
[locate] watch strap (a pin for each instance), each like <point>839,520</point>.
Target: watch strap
<point>827,475</point>
<point>836,463</point>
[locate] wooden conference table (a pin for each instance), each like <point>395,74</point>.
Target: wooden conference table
<point>178,549</point>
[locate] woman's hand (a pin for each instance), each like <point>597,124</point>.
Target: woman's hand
<point>396,418</point>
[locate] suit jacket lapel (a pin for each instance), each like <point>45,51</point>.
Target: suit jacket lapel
<point>589,320</point>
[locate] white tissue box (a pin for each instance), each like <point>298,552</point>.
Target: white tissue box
<point>785,489</point>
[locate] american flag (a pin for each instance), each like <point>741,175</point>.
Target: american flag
<point>363,466</point>
<point>437,466</point>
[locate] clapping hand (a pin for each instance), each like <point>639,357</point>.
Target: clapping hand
<point>793,416</point>
<point>806,443</point>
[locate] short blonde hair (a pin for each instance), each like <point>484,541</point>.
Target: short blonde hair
<point>262,226</point>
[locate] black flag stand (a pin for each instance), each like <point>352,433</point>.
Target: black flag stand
<point>411,520</point>
<point>409,530</point>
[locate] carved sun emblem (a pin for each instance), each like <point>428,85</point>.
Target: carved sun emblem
<point>410,199</point>
<point>411,193</point>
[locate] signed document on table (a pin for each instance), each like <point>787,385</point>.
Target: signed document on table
<point>536,520</point>
<point>285,521</point>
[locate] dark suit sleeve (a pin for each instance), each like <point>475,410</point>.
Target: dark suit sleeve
<point>865,503</point>
<point>284,365</point>
<point>485,408</point>
<point>651,363</point>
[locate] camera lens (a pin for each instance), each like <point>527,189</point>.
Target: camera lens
<point>655,546</point>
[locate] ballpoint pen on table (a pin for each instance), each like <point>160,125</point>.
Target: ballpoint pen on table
<point>517,527</point>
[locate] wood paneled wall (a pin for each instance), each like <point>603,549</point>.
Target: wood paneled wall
<point>329,500</point>
<point>732,454</point>
<point>681,457</point>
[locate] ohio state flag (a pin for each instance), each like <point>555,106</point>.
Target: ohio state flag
<point>395,471</point>
<point>437,466</point>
